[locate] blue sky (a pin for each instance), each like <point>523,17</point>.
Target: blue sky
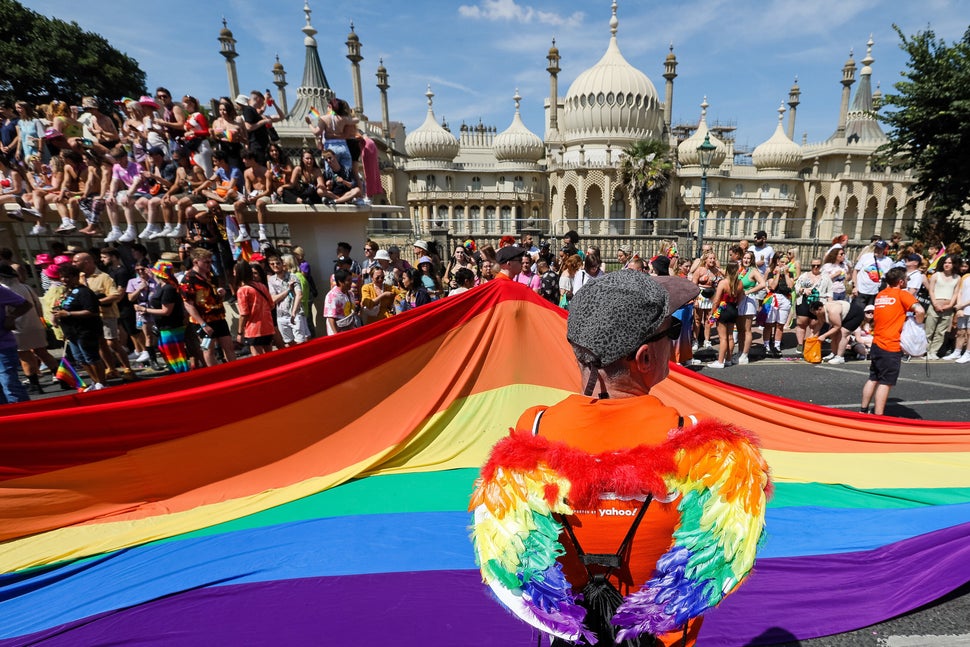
<point>742,54</point>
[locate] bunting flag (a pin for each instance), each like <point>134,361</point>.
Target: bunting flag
<point>66,374</point>
<point>319,494</point>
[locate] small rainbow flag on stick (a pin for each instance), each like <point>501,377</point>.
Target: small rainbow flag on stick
<point>933,266</point>
<point>314,113</point>
<point>67,375</point>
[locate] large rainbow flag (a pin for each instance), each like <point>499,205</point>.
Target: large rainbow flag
<point>318,495</point>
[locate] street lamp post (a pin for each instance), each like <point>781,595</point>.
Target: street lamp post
<point>706,151</point>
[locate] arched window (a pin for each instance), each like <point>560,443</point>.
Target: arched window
<point>474,218</point>
<point>505,220</point>
<point>431,182</point>
<point>460,222</point>
<point>476,183</point>
<point>784,190</point>
<point>519,182</point>
<point>738,190</point>
<point>490,220</point>
<point>448,182</point>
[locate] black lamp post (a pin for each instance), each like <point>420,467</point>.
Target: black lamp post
<point>706,151</point>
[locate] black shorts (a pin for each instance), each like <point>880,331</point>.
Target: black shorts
<point>884,365</point>
<point>219,328</point>
<point>265,340</point>
<point>354,146</point>
<point>853,318</point>
<point>801,309</point>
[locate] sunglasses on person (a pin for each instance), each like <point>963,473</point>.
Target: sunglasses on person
<point>670,332</point>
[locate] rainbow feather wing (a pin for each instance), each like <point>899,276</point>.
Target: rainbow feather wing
<point>724,485</point>
<point>516,542</point>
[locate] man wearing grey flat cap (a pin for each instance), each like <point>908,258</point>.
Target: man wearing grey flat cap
<point>621,330</point>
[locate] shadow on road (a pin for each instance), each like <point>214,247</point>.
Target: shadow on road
<point>775,636</point>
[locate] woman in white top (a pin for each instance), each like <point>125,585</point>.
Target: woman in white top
<point>811,286</point>
<point>962,307</point>
<point>942,288</point>
<point>837,269</point>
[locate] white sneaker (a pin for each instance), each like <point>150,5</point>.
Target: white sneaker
<point>707,344</point>
<point>242,237</point>
<point>129,236</point>
<point>932,357</point>
<point>143,357</point>
<point>743,358</point>
<point>693,347</point>
<point>39,229</point>
<point>132,356</point>
<point>97,386</point>
<point>954,355</point>
<point>716,364</point>
<point>32,212</point>
<point>837,359</point>
<point>263,237</point>
<point>149,232</point>
<point>113,235</point>
<point>965,358</point>
<point>161,233</point>
<point>828,357</point>
<point>66,227</point>
<point>178,231</point>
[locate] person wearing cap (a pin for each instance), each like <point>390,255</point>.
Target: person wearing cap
<point>382,259</point>
<point>420,248</point>
<point>915,279</point>
<point>868,273</point>
<point>78,314</point>
<point>510,260</point>
<point>763,252</point>
<point>892,306</point>
<point>429,277</point>
<point>167,311</point>
<point>620,329</point>
<point>102,127</point>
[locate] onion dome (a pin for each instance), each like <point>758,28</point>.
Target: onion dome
<point>612,99</point>
<point>778,152</point>
<point>517,143</point>
<point>430,140</point>
<point>687,152</point>
<point>225,32</point>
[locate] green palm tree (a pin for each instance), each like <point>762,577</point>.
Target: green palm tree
<point>645,174</point>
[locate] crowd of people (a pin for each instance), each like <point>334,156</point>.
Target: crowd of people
<point>149,164</point>
<point>114,306</point>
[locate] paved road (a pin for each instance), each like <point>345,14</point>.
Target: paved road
<point>926,390</point>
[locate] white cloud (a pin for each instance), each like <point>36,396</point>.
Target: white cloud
<point>510,10</point>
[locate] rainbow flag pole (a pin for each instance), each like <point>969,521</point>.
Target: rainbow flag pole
<point>66,373</point>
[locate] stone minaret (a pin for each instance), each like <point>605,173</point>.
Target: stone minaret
<point>382,85</point>
<point>353,55</point>
<point>793,101</point>
<point>228,50</point>
<point>670,73</point>
<point>279,80</point>
<point>848,78</point>
<point>553,59</point>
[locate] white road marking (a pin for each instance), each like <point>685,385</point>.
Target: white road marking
<point>962,640</point>
<point>865,371</point>
<point>855,405</point>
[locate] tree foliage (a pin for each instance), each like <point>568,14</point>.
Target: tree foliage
<point>45,58</point>
<point>929,129</point>
<point>645,173</point>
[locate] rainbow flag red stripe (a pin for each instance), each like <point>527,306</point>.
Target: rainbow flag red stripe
<point>66,374</point>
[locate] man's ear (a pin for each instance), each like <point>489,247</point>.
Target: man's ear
<point>642,357</point>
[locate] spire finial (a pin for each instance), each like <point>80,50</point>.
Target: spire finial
<point>430,96</point>
<point>614,22</point>
<point>781,112</point>
<point>306,10</point>
<point>225,25</point>
<point>517,99</point>
<point>351,26</point>
<point>704,106</point>
<point>671,46</point>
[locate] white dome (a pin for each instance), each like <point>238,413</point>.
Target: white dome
<point>778,152</point>
<point>612,100</point>
<point>430,141</point>
<point>517,143</point>
<point>687,153</point>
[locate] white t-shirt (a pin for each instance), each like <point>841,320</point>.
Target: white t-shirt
<point>914,281</point>
<point>870,272</point>
<point>762,257</point>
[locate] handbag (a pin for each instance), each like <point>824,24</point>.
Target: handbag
<point>913,338</point>
<point>812,350</point>
<point>707,293</point>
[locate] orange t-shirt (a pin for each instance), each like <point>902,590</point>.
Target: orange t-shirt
<point>892,304</point>
<point>597,426</point>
